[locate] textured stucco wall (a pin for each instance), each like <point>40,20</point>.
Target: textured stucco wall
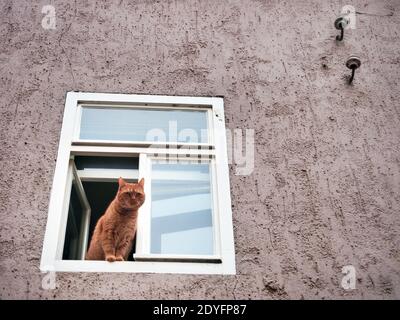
<point>325,191</point>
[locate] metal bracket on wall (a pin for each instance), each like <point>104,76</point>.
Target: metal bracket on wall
<point>353,63</point>
<point>340,24</point>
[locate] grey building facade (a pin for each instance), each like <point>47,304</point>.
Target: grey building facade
<point>325,189</point>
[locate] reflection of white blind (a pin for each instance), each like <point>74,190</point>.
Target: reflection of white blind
<point>144,125</point>
<point>178,205</point>
<point>181,209</point>
<point>202,244</point>
<point>181,176</point>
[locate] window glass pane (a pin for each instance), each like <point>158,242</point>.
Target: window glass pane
<point>73,236</point>
<point>181,209</point>
<point>124,124</point>
<point>88,162</point>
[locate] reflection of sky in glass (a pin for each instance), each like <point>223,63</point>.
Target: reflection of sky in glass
<point>126,124</point>
<point>181,210</point>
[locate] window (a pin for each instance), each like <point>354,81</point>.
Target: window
<point>178,144</point>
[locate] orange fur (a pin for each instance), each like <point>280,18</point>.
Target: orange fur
<point>114,233</point>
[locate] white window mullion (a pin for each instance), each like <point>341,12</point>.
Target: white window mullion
<point>210,128</point>
<point>216,210</point>
<point>77,127</point>
<point>144,216</point>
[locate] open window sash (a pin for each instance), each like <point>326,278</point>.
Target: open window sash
<point>77,222</point>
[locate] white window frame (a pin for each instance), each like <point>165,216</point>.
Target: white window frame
<point>214,152</point>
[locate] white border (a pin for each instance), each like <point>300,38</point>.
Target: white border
<point>52,246</point>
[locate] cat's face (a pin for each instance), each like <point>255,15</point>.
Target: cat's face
<point>131,195</point>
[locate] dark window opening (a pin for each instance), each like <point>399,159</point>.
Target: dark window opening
<point>74,227</point>
<point>87,162</point>
<point>99,195</point>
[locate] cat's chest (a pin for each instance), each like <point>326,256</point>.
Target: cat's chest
<point>124,227</point>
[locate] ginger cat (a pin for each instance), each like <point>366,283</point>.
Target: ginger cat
<point>113,236</point>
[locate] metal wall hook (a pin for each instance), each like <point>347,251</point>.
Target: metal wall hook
<point>353,63</point>
<point>340,24</point>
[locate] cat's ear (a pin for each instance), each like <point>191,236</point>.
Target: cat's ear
<point>121,182</point>
<point>141,183</point>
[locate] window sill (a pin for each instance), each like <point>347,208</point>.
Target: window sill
<point>178,258</point>
<point>140,267</point>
